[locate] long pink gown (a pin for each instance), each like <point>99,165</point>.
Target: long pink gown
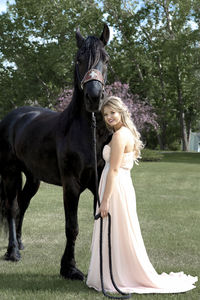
<point>132,269</point>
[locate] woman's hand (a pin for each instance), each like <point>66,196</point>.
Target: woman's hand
<point>104,208</point>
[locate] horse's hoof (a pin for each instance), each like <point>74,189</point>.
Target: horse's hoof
<point>20,245</point>
<point>72,273</point>
<point>12,255</point>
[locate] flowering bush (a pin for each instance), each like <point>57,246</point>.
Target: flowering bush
<point>64,99</point>
<point>142,112</point>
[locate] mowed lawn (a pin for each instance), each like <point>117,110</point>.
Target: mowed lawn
<point>168,205</point>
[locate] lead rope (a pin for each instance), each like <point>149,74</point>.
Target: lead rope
<point>124,295</point>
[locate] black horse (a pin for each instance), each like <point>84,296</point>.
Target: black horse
<point>56,148</point>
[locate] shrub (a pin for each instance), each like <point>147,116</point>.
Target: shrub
<point>142,112</point>
<point>151,155</point>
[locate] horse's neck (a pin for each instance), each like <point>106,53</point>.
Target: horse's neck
<point>76,103</point>
<point>102,132</point>
<point>79,106</point>
<point>75,110</point>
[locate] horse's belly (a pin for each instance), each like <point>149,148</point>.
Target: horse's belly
<point>46,172</point>
<point>44,168</point>
<point>49,180</point>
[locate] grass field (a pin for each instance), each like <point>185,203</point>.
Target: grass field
<point>168,205</point>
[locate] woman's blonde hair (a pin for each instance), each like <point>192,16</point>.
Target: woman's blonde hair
<point>118,105</point>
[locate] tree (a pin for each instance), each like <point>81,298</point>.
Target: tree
<point>156,52</point>
<point>38,43</point>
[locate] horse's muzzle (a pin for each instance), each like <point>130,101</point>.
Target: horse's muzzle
<point>93,91</point>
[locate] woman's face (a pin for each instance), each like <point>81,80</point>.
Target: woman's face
<point>112,117</point>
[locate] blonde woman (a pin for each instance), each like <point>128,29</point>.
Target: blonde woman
<point>132,269</point>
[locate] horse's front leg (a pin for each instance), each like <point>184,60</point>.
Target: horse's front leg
<point>68,263</point>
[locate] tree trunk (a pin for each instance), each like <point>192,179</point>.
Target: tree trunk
<point>164,99</point>
<point>183,132</point>
<point>162,135</point>
<point>161,141</point>
<point>178,81</point>
<point>181,115</point>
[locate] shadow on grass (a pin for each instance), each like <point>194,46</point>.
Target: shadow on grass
<point>181,157</point>
<point>31,282</point>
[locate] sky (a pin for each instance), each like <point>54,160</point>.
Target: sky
<point>3,9</point>
<point>3,4</point>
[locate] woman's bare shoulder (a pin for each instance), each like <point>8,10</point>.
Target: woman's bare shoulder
<point>124,138</point>
<point>119,138</point>
<point>120,133</point>
<point>123,132</point>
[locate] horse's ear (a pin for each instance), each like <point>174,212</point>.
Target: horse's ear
<point>79,38</point>
<point>105,34</point>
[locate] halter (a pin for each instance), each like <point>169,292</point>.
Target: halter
<point>92,74</point>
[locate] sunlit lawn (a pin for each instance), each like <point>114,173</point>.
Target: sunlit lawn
<point>168,204</point>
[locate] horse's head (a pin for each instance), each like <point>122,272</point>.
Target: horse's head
<point>91,68</point>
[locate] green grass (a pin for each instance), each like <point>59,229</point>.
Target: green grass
<point>168,205</point>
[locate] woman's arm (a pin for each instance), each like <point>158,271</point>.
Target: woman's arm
<point>117,149</point>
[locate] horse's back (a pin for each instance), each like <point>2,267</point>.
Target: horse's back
<point>21,118</point>
<point>25,115</point>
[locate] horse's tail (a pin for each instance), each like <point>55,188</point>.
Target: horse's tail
<point>3,210</point>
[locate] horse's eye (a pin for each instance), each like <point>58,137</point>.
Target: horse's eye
<point>80,58</point>
<point>106,60</point>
